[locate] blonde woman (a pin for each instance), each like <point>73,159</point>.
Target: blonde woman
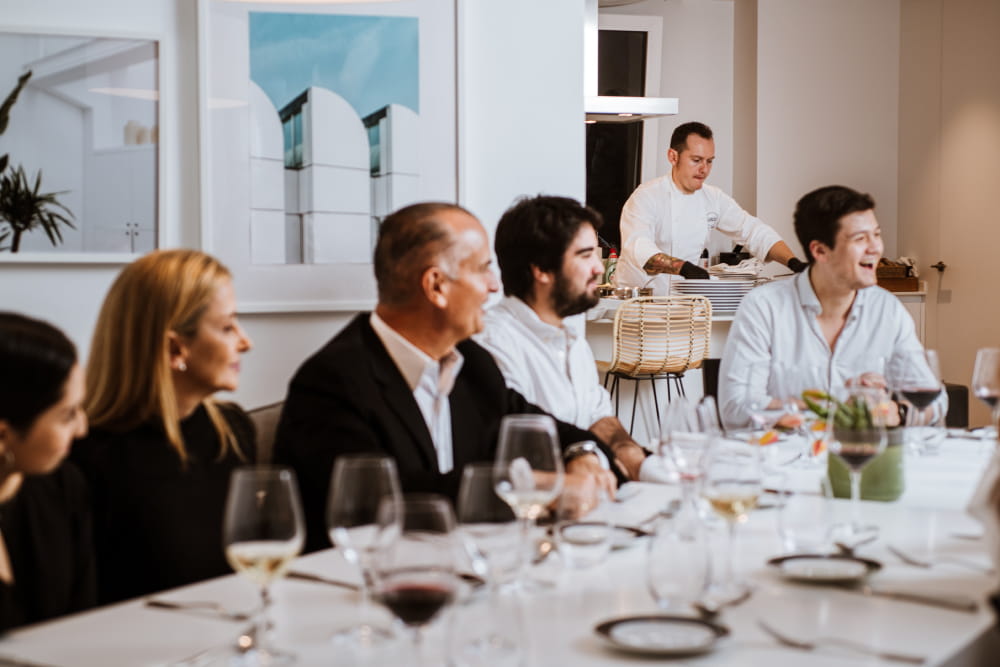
<point>160,449</point>
<point>46,556</point>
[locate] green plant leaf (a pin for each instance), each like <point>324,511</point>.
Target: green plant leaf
<point>9,102</point>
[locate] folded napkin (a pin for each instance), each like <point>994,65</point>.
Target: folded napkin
<point>747,266</point>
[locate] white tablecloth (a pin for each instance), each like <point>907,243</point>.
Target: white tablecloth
<point>928,520</point>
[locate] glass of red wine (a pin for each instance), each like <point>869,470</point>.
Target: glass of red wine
<point>414,563</point>
<point>986,382</point>
<point>857,435</point>
<point>919,385</point>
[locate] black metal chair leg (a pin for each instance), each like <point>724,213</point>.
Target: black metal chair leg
<point>656,402</point>
<point>635,403</point>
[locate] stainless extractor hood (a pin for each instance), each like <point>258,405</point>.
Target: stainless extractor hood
<point>606,108</point>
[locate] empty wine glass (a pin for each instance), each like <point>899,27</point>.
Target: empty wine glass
<point>857,435</point>
<point>986,383</point>
<point>919,384</point>
<point>528,472</point>
<point>583,532</point>
<point>677,565</point>
<point>413,567</point>
<point>358,485</point>
<point>263,531</point>
<point>488,523</point>
<point>733,483</point>
<point>688,432</point>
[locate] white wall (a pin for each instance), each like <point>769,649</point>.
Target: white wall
<point>521,127</point>
<point>827,105</point>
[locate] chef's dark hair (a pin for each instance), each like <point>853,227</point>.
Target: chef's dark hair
<point>678,140</point>
<point>35,362</point>
<point>410,241</point>
<point>818,214</point>
<point>537,231</point>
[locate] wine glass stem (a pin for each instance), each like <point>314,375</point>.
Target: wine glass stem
<point>527,553</point>
<point>418,647</point>
<point>856,500</point>
<point>260,630</point>
<point>729,576</point>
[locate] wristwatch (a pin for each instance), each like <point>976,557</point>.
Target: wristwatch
<point>578,449</point>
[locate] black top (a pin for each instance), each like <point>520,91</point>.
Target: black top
<point>46,528</point>
<point>351,398</point>
<point>158,522</point>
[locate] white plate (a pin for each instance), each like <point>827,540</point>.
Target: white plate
<point>822,568</point>
<point>662,635</point>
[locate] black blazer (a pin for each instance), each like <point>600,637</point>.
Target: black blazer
<point>351,398</point>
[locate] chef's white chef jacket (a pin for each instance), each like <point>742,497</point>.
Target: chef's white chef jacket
<point>658,217</point>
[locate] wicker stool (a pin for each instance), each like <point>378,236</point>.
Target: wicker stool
<point>657,338</point>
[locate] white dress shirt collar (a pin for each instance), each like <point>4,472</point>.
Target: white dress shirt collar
<point>431,382</point>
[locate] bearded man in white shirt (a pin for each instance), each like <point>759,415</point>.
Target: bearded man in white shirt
<point>666,222</point>
<point>828,324</point>
<point>550,266</point>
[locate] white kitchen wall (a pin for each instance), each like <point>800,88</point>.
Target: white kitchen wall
<point>827,105</point>
<point>520,132</point>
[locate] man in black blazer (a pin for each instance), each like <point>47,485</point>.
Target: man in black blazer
<point>405,381</point>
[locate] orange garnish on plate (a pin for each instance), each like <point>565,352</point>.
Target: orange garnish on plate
<point>768,438</point>
<point>818,447</point>
<point>819,426</point>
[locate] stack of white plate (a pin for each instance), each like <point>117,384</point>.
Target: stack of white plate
<point>725,295</point>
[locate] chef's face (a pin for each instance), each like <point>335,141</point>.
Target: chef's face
<point>575,288</point>
<point>857,248</point>
<point>693,164</point>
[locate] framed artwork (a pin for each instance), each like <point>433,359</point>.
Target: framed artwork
<point>79,147</point>
<point>316,122</point>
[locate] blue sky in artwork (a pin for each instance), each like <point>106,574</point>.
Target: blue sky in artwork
<point>370,61</point>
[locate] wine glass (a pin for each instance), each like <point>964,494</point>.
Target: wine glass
<point>733,483</point>
<point>986,383</point>
<point>919,384</point>
<point>857,435</point>
<point>687,436</point>
<point>677,565</point>
<point>263,531</point>
<point>488,523</point>
<point>528,472</point>
<point>413,567</point>
<point>358,485</point>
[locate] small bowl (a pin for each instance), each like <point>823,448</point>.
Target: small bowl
<point>624,292</point>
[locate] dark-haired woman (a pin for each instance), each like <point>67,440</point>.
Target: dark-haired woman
<point>46,552</point>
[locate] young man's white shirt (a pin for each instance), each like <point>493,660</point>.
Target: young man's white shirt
<point>776,325</point>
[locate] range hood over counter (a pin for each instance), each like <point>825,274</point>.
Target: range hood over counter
<point>609,108</point>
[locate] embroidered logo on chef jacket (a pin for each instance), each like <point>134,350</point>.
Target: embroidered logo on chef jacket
<point>713,219</point>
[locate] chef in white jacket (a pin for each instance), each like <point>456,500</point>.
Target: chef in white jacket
<point>666,222</point>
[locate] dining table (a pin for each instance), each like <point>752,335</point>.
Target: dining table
<point>557,620</point>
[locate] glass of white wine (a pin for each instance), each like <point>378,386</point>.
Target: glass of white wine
<point>733,483</point>
<point>528,472</point>
<point>263,531</point>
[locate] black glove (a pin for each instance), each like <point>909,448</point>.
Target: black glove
<point>691,271</point>
<point>797,265</point>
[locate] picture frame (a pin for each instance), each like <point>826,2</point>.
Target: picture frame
<point>85,121</point>
<point>294,219</point>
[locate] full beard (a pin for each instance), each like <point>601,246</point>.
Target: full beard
<point>566,303</point>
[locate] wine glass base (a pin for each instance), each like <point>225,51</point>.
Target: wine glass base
<point>724,594</point>
<point>363,636</point>
<point>260,658</point>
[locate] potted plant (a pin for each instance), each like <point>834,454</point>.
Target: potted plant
<point>882,477</point>
<point>23,207</point>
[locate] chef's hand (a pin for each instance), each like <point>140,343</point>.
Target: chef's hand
<point>797,265</point>
<point>693,271</point>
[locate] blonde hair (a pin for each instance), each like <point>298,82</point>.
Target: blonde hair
<point>129,378</point>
